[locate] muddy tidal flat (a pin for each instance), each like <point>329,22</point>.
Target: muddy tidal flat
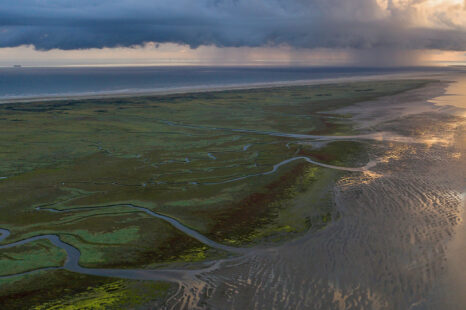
<point>336,196</point>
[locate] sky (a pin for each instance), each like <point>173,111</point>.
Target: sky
<point>232,32</point>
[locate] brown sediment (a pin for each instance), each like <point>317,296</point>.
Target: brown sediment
<point>241,219</point>
<point>338,152</point>
<point>236,221</point>
<point>328,127</point>
<point>387,250</point>
<point>322,157</point>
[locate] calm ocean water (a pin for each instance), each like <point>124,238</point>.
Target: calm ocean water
<point>48,82</point>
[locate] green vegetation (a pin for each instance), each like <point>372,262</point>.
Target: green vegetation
<point>114,295</point>
<point>59,289</point>
<point>31,256</point>
<point>177,155</point>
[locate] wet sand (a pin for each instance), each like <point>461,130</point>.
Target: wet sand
<point>399,242</point>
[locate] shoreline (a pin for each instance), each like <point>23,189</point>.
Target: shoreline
<point>220,88</point>
<point>358,233</point>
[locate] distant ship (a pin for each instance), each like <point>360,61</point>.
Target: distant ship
<point>16,66</point>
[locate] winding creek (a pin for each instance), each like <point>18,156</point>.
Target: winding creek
<point>388,249</point>
<point>377,136</point>
<point>275,168</point>
<point>73,254</point>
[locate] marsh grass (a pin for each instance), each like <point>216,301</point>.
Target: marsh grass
<point>154,152</point>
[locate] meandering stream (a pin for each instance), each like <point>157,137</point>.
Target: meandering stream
<point>386,251</point>
<point>73,254</point>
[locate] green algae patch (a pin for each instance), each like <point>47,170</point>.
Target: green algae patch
<point>115,295</point>
<point>60,289</point>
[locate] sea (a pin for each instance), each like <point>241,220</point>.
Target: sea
<point>33,82</point>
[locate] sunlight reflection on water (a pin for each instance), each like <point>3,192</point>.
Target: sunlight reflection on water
<point>455,94</point>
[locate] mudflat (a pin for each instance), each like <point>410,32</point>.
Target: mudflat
<point>307,197</point>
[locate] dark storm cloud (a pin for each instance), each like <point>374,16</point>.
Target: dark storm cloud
<point>74,24</point>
